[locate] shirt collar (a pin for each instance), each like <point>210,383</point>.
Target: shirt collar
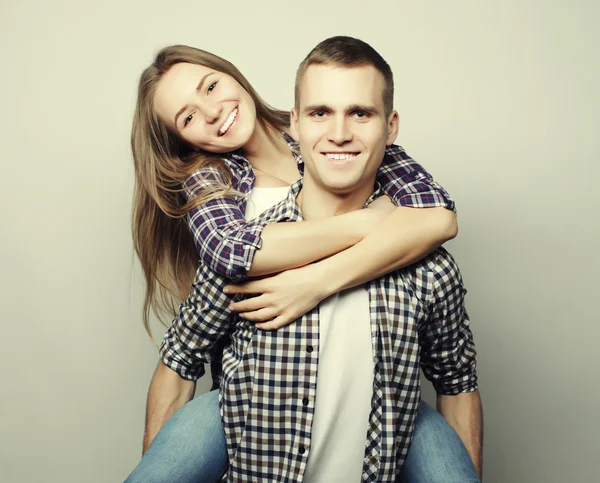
<point>290,211</point>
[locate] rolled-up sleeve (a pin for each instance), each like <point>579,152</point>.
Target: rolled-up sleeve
<point>407,183</point>
<point>203,319</point>
<point>448,355</point>
<point>225,241</point>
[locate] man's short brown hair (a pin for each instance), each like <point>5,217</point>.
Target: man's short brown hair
<point>348,52</point>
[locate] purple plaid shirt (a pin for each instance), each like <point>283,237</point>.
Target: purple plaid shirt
<point>268,385</point>
<point>227,243</point>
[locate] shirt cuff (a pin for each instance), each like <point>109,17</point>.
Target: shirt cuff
<point>418,190</point>
<point>456,386</point>
<point>239,250</point>
<point>173,359</point>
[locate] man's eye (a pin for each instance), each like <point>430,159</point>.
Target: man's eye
<point>188,119</point>
<point>212,87</point>
<point>318,113</point>
<point>361,114</point>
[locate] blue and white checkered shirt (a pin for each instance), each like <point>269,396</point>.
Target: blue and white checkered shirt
<point>418,320</point>
<point>227,243</point>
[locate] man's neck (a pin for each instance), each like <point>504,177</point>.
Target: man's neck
<point>315,201</point>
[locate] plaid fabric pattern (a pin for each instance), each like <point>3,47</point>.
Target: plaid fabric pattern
<point>227,243</point>
<point>417,320</point>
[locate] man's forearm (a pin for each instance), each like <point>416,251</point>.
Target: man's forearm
<point>167,393</point>
<point>465,414</point>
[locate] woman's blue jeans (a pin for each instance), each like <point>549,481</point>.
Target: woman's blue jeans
<point>191,448</point>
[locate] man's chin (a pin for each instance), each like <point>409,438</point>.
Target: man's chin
<point>340,188</point>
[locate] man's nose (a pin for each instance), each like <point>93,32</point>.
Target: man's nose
<point>339,131</point>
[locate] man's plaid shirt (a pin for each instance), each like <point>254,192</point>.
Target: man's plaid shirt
<point>418,319</point>
<point>227,243</point>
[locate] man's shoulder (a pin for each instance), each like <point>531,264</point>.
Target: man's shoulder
<point>437,272</point>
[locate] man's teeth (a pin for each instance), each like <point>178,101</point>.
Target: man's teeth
<point>228,122</point>
<point>340,156</point>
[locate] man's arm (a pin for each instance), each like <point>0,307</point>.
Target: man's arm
<point>168,392</point>
<point>448,356</point>
<point>203,319</point>
<point>465,414</point>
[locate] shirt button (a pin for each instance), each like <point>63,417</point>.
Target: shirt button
<point>309,349</point>
<point>302,450</point>
<point>305,401</point>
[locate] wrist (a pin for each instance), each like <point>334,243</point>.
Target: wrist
<point>330,278</point>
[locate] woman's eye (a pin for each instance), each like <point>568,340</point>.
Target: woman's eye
<point>188,119</point>
<point>211,87</point>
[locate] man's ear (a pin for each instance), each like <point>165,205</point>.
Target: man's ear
<point>294,124</point>
<point>393,124</point>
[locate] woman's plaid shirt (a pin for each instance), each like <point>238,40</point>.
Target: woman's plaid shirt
<point>268,385</point>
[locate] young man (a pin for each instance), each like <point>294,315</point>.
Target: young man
<point>334,395</point>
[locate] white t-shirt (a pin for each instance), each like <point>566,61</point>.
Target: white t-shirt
<point>344,389</point>
<point>345,375</point>
<point>261,199</point>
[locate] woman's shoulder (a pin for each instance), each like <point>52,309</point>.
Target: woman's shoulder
<point>213,176</point>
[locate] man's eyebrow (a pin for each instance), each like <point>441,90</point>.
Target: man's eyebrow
<point>363,108</point>
<point>198,88</point>
<point>352,108</point>
<point>317,107</point>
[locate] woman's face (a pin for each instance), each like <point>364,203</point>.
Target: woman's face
<point>209,109</point>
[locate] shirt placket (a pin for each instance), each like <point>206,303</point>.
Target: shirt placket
<point>307,389</point>
<point>371,460</point>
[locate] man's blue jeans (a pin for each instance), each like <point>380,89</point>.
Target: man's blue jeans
<point>191,448</point>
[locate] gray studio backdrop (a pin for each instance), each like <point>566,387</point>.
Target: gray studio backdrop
<point>499,100</point>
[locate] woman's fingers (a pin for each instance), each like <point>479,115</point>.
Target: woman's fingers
<point>262,315</point>
<point>276,323</point>
<point>249,305</point>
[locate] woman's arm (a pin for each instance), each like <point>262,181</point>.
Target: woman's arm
<point>235,248</point>
<point>405,236</point>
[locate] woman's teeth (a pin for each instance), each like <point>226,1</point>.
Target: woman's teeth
<point>228,122</point>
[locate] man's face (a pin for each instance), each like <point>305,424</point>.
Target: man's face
<point>341,126</point>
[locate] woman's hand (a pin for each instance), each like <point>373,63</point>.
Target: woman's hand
<point>280,299</point>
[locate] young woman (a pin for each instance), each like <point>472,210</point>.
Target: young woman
<point>202,139</point>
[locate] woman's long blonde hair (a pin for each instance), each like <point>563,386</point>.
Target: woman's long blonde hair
<point>163,162</point>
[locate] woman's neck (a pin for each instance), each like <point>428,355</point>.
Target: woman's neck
<point>269,154</point>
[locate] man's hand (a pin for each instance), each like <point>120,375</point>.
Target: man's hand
<point>464,413</point>
<point>280,298</point>
<point>167,393</point>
